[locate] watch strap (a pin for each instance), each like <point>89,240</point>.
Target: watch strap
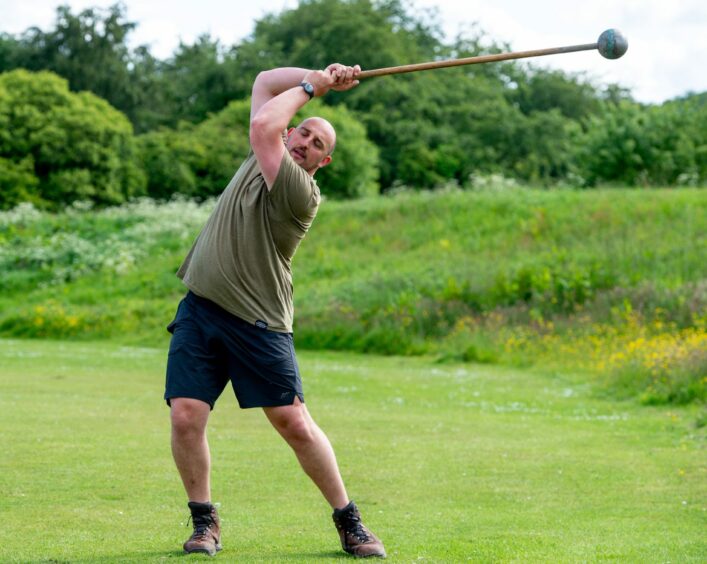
<point>308,88</point>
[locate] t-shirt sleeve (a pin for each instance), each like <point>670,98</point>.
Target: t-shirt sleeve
<point>295,189</point>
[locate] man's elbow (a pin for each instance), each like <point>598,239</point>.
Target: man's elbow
<point>260,127</point>
<point>262,81</point>
<point>264,131</point>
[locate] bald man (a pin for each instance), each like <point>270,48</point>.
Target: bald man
<point>235,323</point>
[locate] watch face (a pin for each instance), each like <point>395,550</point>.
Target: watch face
<point>308,88</point>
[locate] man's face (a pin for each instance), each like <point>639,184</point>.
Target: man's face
<point>310,143</point>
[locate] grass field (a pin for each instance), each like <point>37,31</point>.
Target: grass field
<point>611,282</point>
<point>448,463</point>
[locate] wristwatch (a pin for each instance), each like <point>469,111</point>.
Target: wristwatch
<point>308,88</point>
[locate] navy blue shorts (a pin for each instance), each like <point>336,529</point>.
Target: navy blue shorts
<point>211,346</point>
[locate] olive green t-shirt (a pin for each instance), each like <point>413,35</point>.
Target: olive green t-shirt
<point>242,258</point>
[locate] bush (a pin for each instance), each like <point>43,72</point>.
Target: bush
<point>57,147</point>
<point>17,182</point>
<point>639,145</point>
<point>169,160</point>
<point>199,160</point>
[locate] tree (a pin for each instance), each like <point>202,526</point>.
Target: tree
<point>11,52</point>
<point>639,145</point>
<point>429,129</point>
<point>89,50</point>
<point>540,90</point>
<point>372,34</point>
<point>170,160</point>
<point>435,127</point>
<point>76,146</point>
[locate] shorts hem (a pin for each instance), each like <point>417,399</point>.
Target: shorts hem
<point>168,398</point>
<point>289,400</point>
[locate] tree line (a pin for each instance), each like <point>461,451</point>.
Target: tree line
<point>84,116</point>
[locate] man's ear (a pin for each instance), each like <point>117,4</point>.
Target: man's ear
<point>325,161</point>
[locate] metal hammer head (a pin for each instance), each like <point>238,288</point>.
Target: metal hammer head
<point>612,44</point>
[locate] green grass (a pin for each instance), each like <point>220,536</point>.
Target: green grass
<point>448,463</point>
<point>507,277</point>
<point>395,275</point>
<point>386,275</point>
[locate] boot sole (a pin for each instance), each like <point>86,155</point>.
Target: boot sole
<point>352,553</point>
<point>203,551</point>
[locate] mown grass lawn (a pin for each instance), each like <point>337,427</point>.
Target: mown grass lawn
<point>448,463</point>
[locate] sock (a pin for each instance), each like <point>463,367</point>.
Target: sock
<point>350,507</point>
<point>200,508</point>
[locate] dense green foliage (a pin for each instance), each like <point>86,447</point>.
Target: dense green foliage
<point>658,145</point>
<point>509,276</point>
<point>199,160</point>
<point>429,129</point>
<point>196,160</point>
<point>451,463</point>
<point>88,49</point>
<point>58,146</point>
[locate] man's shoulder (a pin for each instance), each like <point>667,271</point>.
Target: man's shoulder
<point>296,187</point>
<point>247,171</point>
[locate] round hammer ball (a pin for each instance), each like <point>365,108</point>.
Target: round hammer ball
<point>612,44</point>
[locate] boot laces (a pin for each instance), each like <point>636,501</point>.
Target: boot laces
<point>202,524</point>
<point>354,527</point>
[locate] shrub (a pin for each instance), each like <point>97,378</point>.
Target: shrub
<point>18,182</point>
<point>644,145</point>
<point>57,146</point>
<point>169,160</point>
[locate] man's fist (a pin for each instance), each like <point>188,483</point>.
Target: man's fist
<point>345,76</point>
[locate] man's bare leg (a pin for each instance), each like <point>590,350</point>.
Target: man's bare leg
<point>190,448</point>
<point>312,448</point>
<point>191,455</point>
<point>314,452</point>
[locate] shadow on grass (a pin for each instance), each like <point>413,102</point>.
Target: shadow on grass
<point>143,556</point>
<point>135,556</point>
<point>306,557</point>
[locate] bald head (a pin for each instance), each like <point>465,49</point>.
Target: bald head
<point>311,143</point>
<point>324,128</point>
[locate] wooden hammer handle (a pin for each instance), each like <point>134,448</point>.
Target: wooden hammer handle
<point>475,60</point>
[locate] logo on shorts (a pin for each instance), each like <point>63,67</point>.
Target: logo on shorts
<point>261,324</point>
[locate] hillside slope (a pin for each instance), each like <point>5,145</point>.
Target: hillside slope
<point>494,276</point>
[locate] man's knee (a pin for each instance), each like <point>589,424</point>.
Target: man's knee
<point>293,424</point>
<point>188,415</point>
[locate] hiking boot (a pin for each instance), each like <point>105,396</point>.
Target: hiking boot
<point>206,537</point>
<point>355,538</point>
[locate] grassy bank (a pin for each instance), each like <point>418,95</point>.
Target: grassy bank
<point>612,282</point>
<point>449,463</point>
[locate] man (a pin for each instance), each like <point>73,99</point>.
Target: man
<point>235,322</point>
